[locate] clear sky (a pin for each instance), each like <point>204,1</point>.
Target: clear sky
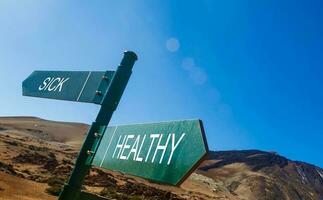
<point>251,70</point>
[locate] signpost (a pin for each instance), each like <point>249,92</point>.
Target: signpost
<point>165,152</point>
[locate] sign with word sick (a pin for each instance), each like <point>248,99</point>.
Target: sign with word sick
<point>80,86</point>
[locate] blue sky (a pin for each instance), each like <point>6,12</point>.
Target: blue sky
<point>251,70</point>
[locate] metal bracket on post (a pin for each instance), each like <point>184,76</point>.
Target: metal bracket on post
<point>110,101</point>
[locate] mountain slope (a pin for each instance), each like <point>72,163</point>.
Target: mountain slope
<point>252,174</point>
<point>36,151</point>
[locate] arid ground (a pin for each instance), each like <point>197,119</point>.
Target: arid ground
<point>37,156</point>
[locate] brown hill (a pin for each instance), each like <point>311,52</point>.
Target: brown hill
<point>36,157</point>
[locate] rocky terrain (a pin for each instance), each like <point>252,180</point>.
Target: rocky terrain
<point>36,157</point>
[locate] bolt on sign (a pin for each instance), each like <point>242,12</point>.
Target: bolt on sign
<point>164,152</point>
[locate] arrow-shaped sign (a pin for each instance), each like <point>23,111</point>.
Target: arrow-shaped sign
<point>165,152</point>
<point>81,86</point>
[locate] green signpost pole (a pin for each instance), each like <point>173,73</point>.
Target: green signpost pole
<point>165,152</point>
<point>111,98</point>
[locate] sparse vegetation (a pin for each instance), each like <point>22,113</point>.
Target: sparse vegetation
<point>54,190</point>
<point>265,175</point>
<point>12,143</point>
<point>137,191</point>
<point>100,179</point>
<point>35,148</point>
<point>55,181</point>
<point>56,185</point>
<point>51,163</point>
<point>7,168</point>
<point>48,161</point>
<point>34,130</point>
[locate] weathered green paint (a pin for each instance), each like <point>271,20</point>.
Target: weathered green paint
<point>81,86</point>
<point>165,152</point>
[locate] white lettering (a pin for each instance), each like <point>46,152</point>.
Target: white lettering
<point>134,148</point>
<point>153,136</point>
<point>138,154</point>
<point>174,146</point>
<point>48,84</point>
<point>126,146</point>
<point>41,87</point>
<point>130,147</point>
<point>60,85</point>
<point>50,88</point>
<point>119,146</point>
<point>161,147</point>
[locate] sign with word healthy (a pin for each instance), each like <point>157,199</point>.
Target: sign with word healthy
<point>81,86</point>
<point>163,152</point>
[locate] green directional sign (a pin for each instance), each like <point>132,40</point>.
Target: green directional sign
<point>165,152</point>
<point>104,88</point>
<point>81,86</point>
